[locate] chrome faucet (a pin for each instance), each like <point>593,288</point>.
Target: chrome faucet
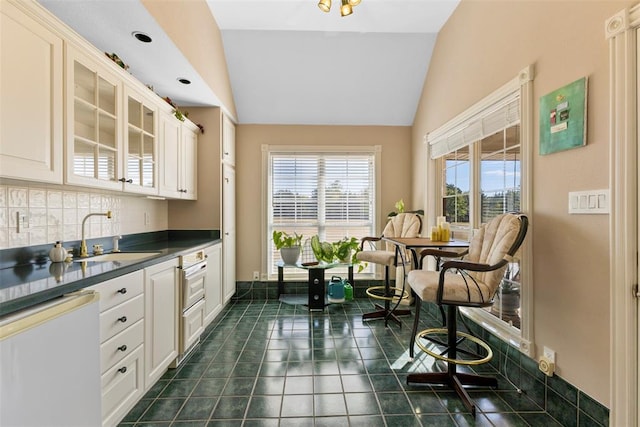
<point>83,244</point>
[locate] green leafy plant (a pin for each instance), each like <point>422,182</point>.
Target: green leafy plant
<point>344,250</point>
<point>282,239</point>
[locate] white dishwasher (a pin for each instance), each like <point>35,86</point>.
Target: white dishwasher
<point>50,364</point>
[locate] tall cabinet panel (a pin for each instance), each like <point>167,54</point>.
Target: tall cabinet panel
<point>94,141</point>
<point>228,209</point>
<point>31,105</point>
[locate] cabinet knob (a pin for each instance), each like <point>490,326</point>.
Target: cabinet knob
<point>122,370</point>
<point>122,291</point>
<point>122,348</point>
<point>122,319</point>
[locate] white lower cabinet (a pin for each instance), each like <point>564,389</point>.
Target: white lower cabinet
<point>162,297</point>
<point>213,283</point>
<point>122,315</point>
<point>122,387</point>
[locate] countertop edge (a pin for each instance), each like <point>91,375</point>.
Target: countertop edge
<point>17,304</point>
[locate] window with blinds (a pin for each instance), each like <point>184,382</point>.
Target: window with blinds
<point>331,194</point>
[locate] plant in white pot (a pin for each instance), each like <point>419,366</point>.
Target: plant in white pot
<point>288,245</point>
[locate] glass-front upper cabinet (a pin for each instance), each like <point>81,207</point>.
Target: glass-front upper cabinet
<point>141,158</point>
<point>93,123</point>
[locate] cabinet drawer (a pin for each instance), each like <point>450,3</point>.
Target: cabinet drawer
<point>118,290</point>
<point>192,325</point>
<point>118,347</point>
<point>122,387</point>
<point>121,317</point>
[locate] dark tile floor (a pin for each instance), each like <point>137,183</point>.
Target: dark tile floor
<point>266,363</point>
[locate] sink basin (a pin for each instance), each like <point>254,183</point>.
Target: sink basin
<point>119,256</point>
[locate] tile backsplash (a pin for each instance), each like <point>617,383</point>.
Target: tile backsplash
<point>48,214</point>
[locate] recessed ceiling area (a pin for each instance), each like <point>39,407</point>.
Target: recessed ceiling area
<point>288,62</point>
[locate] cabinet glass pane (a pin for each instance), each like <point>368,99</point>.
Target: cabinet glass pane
<point>147,148</point>
<point>148,118</point>
<point>135,143</point>
<point>84,83</point>
<point>134,113</point>
<point>83,158</point>
<point>84,120</point>
<point>133,170</point>
<point>106,164</point>
<point>107,134</point>
<point>106,96</point>
<point>147,173</point>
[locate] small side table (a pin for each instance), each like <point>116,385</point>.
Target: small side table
<point>316,284</point>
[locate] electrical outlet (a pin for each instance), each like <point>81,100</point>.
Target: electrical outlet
<point>256,275</point>
<point>549,354</point>
<point>547,363</point>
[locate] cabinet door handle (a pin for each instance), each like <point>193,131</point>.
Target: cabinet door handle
<point>122,291</point>
<point>122,348</point>
<point>122,319</point>
<point>129,181</point>
<point>122,370</point>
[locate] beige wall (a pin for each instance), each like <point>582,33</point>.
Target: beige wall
<point>195,32</point>
<point>482,46</point>
<point>396,161</point>
<point>204,213</point>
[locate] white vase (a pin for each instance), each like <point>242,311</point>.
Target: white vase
<point>290,255</point>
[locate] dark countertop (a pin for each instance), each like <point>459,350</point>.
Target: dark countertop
<point>26,285</point>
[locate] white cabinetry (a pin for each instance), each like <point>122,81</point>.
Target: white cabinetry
<point>121,349</point>
<point>228,141</point>
<point>228,231</point>
<point>140,154</point>
<point>93,123</point>
<point>161,295</point>
<point>178,158</point>
<point>213,283</point>
<point>31,104</point>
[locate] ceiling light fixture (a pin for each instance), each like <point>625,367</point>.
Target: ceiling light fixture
<point>346,8</point>
<point>144,38</point>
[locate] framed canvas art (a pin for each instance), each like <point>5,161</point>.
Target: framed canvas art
<point>563,118</point>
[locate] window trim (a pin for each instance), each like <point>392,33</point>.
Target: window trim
<point>376,150</point>
<point>522,86</point>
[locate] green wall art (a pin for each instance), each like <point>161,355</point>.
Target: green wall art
<point>563,118</point>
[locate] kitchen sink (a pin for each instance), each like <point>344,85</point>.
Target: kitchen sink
<point>119,256</point>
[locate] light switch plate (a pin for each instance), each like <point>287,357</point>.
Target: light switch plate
<point>589,202</point>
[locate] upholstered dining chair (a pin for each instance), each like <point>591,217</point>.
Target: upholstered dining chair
<point>470,282</point>
<point>377,251</point>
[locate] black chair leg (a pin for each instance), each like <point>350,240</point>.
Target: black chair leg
<point>452,378</point>
<point>386,312</point>
<point>412,342</point>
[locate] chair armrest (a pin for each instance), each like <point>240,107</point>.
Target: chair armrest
<point>368,239</point>
<point>441,253</point>
<point>472,266</point>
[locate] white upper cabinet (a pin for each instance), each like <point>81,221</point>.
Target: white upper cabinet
<point>31,105</point>
<point>228,141</point>
<point>93,123</point>
<point>178,158</point>
<point>141,143</point>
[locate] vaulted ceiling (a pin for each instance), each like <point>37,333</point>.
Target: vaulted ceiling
<point>289,63</point>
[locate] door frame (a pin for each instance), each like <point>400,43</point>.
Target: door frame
<point>621,33</point>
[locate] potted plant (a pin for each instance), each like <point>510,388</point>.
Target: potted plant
<point>400,209</point>
<point>507,302</point>
<point>344,250</point>
<point>288,245</point>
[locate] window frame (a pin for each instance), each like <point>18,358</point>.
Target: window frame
<point>267,150</point>
<point>451,136</point>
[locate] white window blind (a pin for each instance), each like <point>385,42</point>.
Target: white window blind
<point>487,117</point>
<point>331,194</point>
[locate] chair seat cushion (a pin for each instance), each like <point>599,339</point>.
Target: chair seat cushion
<point>377,257</point>
<point>457,288</point>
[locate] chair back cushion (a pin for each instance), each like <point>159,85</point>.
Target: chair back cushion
<point>402,225</point>
<point>493,242</point>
